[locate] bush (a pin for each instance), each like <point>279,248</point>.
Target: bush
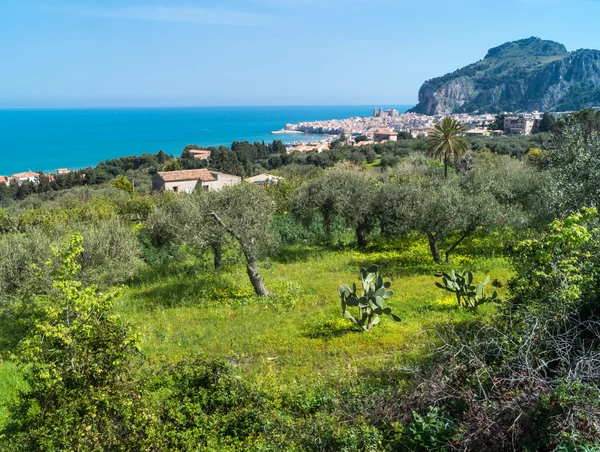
<point>76,362</point>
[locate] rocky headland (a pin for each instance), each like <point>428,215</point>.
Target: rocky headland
<point>526,75</point>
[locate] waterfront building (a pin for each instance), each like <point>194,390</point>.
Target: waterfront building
<point>27,176</point>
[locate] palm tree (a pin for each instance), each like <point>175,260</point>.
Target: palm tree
<point>447,142</point>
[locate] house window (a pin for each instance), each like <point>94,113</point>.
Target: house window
<point>175,189</point>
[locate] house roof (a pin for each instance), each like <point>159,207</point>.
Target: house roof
<point>25,174</point>
<point>3,179</point>
<point>200,153</point>
<point>384,132</point>
<point>263,178</point>
<point>196,174</point>
<point>477,132</point>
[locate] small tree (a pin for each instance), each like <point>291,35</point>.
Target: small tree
<point>244,211</point>
<point>341,193</point>
<point>76,362</point>
<point>436,209</point>
<point>122,183</point>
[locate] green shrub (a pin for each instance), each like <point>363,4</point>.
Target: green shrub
<point>76,362</point>
<point>432,431</point>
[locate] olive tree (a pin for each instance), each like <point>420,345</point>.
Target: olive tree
<point>437,209</point>
<point>184,218</point>
<point>245,211</point>
<point>340,193</point>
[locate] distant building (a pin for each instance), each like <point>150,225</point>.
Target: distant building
<point>421,132</point>
<point>4,180</point>
<point>190,180</point>
<point>28,176</point>
<point>223,180</point>
<point>363,143</point>
<point>473,133</point>
<point>201,154</point>
<point>392,113</point>
<point>524,124</point>
<point>264,179</point>
<point>380,135</point>
<point>62,171</point>
<point>321,147</point>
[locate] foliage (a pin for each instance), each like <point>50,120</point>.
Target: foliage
<point>208,405</point>
<point>574,166</point>
<point>557,273</point>
<point>461,284</point>
<point>370,301</point>
<point>429,432</point>
<point>342,193</point>
<point>447,143</point>
<point>122,183</point>
<point>76,360</point>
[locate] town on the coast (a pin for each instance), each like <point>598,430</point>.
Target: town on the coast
<point>385,125</point>
<point>382,126</point>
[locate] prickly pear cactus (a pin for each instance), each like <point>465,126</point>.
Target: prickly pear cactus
<point>467,294</point>
<point>373,292</point>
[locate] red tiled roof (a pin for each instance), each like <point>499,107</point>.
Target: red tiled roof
<point>26,174</point>
<point>199,152</point>
<point>197,174</point>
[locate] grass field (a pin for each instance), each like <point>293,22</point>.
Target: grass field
<point>299,335</point>
<point>296,340</point>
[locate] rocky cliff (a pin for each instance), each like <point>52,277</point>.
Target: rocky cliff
<point>531,74</point>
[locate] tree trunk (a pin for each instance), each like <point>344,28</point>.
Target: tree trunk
<point>361,237</point>
<point>251,265</point>
<point>433,246</point>
<point>445,168</point>
<point>458,242</point>
<point>255,279</point>
<point>217,249</point>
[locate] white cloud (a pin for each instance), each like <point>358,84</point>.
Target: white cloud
<point>183,14</point>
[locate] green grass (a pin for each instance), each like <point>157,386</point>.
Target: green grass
<point>296,341</point>
<point>10,383</point>
<point>298,337</point>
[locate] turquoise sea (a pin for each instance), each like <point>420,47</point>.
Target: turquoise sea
<point>49,139</point>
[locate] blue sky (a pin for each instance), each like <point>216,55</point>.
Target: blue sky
<point>100,53</point>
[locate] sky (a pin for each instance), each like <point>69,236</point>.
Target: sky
<point>137,53</point>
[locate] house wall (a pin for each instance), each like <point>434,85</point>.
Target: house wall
<point>184,186</point>
<point>223,180</point>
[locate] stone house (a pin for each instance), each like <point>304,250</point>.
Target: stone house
<point>190,180</point>
<point>380,135</point>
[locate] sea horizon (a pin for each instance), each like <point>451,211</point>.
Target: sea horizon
<point>44,139</point>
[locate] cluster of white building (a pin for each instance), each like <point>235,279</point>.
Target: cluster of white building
<point>416,124</point>
<point>419,125</point>
<point>30,176</point>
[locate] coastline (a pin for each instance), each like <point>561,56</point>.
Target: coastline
<point>81,138</point>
